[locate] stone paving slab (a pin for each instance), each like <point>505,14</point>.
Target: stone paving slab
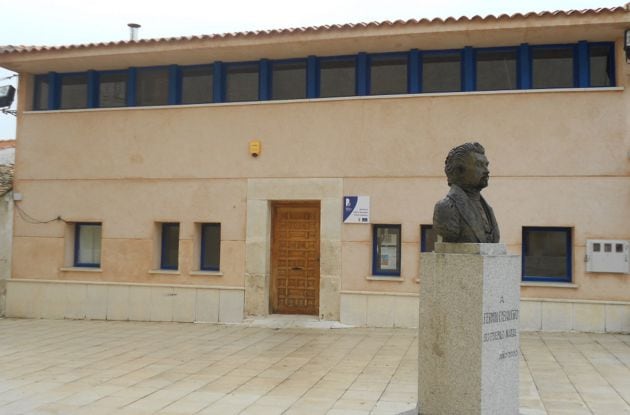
<point>104,367</point>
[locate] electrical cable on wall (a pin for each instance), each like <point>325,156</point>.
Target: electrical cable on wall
<point>29,219</point>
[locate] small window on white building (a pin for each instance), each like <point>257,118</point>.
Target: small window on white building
<point>386,240</point>
<point>288,80</point>
<point>169,252</point>
<point>210,254</point>
<point>197,84</point>
<point>441,71</point>
<point>40,101</point>
<point>601,65</point>
<point>496,69</point>
<point>337,77</point>
<point>553,67</point>
<point>74,91</point>
<point>87,244</point>
<point>112,89</point>
<point>152,86</point>
<point>427,238</point>
<point>241,82</point>
<point>547,254</point>
<point>388,74</point>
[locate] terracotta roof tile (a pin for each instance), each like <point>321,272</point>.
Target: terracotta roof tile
<point>11,48</point>
<point>20,49</point>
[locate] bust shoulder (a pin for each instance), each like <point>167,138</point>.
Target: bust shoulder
<point>454,197</point>
<point>445,204</point>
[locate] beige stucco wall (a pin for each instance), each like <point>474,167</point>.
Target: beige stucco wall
<point>129,210</point>
<point>7,157</point>
<point>533,133</point>
<point>6,236</point>
<point>558,158</point>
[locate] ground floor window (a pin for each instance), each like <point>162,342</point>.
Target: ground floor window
<point>427,238</point>
<point>210,246</point>
<point>170,246</point>
<point>547,254</point>
<point>386,240</point>
<point>87,245</point>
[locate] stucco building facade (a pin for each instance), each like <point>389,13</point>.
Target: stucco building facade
<point>7,157</point>
<point>135,161</point>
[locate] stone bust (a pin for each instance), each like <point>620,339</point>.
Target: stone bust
<point>464,215</point>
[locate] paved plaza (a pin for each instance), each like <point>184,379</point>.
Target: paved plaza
<point>105,367</point>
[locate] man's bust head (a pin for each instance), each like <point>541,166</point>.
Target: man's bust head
<point>467,167</point>
<point>463,216</point>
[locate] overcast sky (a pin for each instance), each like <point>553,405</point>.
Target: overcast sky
<point>45,22</point>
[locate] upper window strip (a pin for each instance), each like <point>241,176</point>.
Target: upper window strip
<point>424,71</point>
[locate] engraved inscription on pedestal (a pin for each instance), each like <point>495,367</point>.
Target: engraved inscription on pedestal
<point>500,337</point>
<point>497,317</point>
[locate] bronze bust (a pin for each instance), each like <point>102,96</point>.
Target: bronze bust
<point>464,215</point>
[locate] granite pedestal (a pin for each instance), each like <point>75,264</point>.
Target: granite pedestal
<point>468,330</point>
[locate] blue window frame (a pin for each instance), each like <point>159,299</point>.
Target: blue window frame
<point>169,258</point>
<point>386,250</point>
<point>578,65</point>
<point>363,78</point>
<point>87,244</point>
<point>210,257</point>
<point>547,254</point>
<point>427,238</point>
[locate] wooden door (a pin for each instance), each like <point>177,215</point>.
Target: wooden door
<point>295,258</point>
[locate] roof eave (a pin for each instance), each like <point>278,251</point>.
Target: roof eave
<point>516,28</point>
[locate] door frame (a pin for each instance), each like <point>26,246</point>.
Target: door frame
<point>259,194</point>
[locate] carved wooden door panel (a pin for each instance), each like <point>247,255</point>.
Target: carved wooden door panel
<point>295,258</point>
